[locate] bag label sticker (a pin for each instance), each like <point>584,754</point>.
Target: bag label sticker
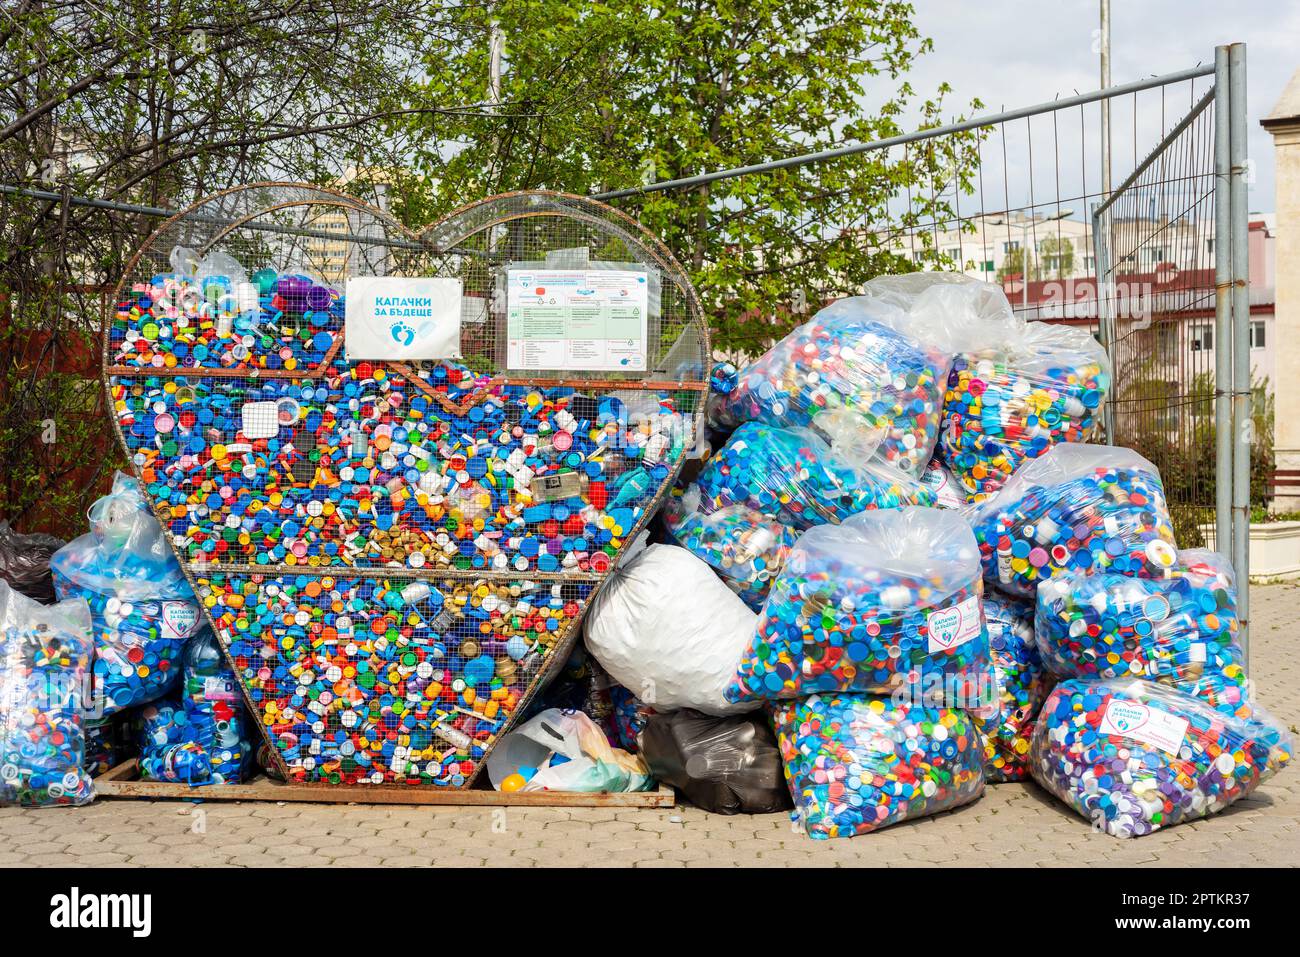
<point>1157,728</point>
<point>400,318</point>
<point>953,626</point>
<point>217,688</point>
<point>180,619</point>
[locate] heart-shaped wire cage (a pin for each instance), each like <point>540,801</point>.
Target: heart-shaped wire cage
<point>397,554</point>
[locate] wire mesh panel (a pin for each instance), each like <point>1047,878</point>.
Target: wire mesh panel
<point>396,554</point>
<point>1157,240</point>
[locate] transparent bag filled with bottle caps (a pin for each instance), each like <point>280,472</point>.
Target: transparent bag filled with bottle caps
<point>1015,398</point>
<point>795,476</point>
<point>1076,507</point>
<point>1134,756</point>
<point>45,654</point>
<point>1179,630</point>
<point>142,606</point>
<point>1021,684</point>
<point>888,601</point>
<point>744,547</point>
<point>856,763</point>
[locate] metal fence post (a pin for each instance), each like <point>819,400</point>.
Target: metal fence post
<point>1241,391</point>
<point>1222,308</point>
<point>1105,320</point>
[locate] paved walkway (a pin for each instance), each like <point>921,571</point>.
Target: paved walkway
<point>1013,824</point>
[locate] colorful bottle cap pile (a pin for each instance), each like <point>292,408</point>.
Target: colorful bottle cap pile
<point>367,470</point>
<point>856,763</point>
<point>889,601</point>
<point>1007,727</point>
<point>1006,406</point>
<point>1111,519</point>
<point>178,321</point>
<point>1134,756</point>
<point>361,680</point>
<point>794,476</point>
<point>45,654</point>
<point>847,361</point>
<point>107,743</point>
<point>746,548</point>
<point>1180,631</point>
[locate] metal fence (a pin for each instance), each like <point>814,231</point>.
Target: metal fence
<point>1154,265</point>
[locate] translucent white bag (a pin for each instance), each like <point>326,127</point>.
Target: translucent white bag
<point>1015,397</point>
<point>564,751</point>
<point>1076,507</point>
<point>670,632</point>
<point>889,601</point>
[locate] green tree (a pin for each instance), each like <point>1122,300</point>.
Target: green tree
<point>615,94</point>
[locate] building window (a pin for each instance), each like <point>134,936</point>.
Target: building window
<point>955,253</point>
<point>987,265</point>
<point>1257,334</point>
<point>1010,247</point>
<point>1202,338</point>
<point>1167,338</point>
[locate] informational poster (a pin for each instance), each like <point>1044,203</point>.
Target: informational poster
<point>576,320</point>
<point>409,319</point>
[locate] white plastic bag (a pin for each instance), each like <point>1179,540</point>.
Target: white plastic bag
<point>670,632</point>
<point>564,751</point>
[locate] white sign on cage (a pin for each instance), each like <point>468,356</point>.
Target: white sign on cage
<point>410,319</point>
<point>592,320</point>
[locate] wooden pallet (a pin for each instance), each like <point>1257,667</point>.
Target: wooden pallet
<point>123,781</point>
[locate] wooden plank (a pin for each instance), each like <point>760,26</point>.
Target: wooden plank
<point>123,781</point>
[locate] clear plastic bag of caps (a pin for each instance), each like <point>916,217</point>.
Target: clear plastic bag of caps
<point>143,607</point>
<point>1180,630</point>
<point>888,602</point>
<point>1075,508</point>
<point>1133,756</point>
<point>795,477</point>
<point>45,653</point>
<point>746,548</point>
<point>1009,402</point>
<point>857,763</point>
<point>1007,726</point>
<point>168,751</point>
<point>858,357</point>
<point>214,710</point>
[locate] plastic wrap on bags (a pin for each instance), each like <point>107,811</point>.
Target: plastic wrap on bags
<point>888,601</point>
<point>1134,756</point>
<point>727,765</point>
<point>1180,630</point>
<point>564,751</point>
<point>214,710</point>
<point>1076,508</point>
<point>799,479</point>
<point>1007,726</point>
<point>856,360</point>
<point>856,763</point>
<point>25,562</point>
<point>746,548</point>
<point>143,608</point>
<point>1012,401</point>
<point>945,487</point>
<point>670,632</point>
<point>45,653</point>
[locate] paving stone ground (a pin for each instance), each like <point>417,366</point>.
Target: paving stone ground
<point>1013,824</point>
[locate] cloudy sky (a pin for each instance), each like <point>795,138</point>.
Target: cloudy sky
<point>1012,53</point>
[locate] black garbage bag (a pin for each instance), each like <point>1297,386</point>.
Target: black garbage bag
<point>727,765</point>
<point>25,562</point>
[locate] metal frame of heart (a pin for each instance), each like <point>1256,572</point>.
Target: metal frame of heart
<point>388,577</point>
